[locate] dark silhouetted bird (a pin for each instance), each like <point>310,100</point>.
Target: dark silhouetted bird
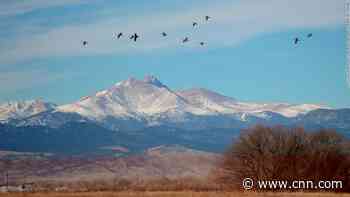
<point>207,18</point>
<point>185,40</point>
<point>194,24</point>
<point>85,43</point>
<point>134,37</point>
<point>164,34</point>
<point>202,43</point>
<point>309,35</point>
<point>120,35</point>
<point>296,40</point>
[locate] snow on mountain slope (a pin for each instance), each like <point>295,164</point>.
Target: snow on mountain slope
<point>151,100</point>
<point>142,103</point>
<point>132,98</point>
<point>290,110</point>
<point>222,104</point>
<point>208,100</point>
<point>23,109</point>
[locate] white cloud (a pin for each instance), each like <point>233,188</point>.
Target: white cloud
<point>14,81</point>
<point>14,7</point>
<point>233,22</point>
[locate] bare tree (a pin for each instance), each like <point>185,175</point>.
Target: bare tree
<point>280,153</point>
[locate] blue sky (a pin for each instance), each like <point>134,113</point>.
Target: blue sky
<point>249,53</point>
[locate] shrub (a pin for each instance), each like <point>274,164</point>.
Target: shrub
<point>280,153</point>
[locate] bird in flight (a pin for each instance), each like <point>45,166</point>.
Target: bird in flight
<point>202,43</point>
<point>120,35</point>
<point>164,34</point>
<point>309,35</point>
<point>296,40</point>
<point>207,18</point>
<point>85,43</point>
<point>185,40</point>
<point>194,24</point>
<point>134,37</point>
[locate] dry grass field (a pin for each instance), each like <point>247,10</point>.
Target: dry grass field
<point>174,194</point>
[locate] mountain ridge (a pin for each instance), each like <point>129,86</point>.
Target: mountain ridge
<point>23,109</point>
<point>135,104</point>
<point>150,96</point>
<point>140,114</point>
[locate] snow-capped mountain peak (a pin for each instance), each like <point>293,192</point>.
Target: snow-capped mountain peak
<point>23,109</point>
<point>142,99</point>
<point>131,98</point>
<point>154,81</point>
<point>222,104</point>
<point>149,102</point>
<point>148,80</point>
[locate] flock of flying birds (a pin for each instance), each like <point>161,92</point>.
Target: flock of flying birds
<point>135,36</point>
<point>297,39</point>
